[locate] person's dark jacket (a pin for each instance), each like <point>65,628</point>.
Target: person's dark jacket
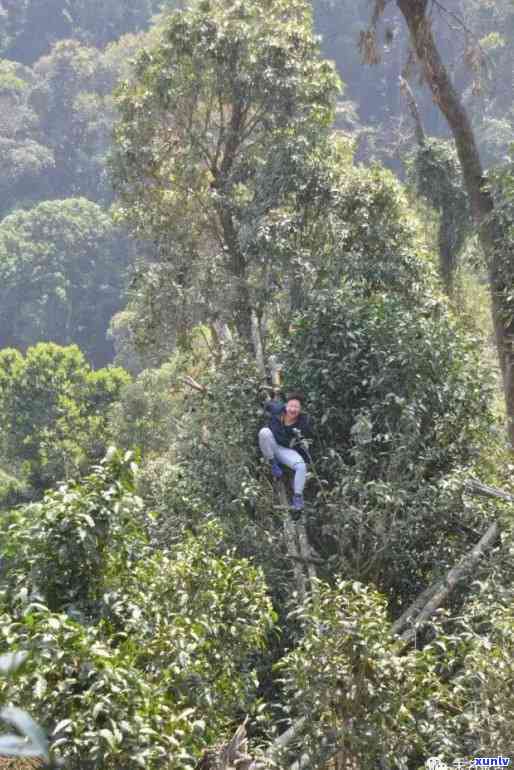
<point>290,436</point>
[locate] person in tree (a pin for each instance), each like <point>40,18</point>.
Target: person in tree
<point>285,441</point>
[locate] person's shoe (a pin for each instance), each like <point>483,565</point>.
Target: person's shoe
<point>276,470</point>
<point>297,503</point>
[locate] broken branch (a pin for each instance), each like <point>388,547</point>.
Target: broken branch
<point>194,384</point>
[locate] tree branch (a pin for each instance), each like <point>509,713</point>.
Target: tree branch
<point>406,91</point>
<point>292,545</point>
<point>426,604</point>
<point>462,24</point>
<point>233,755</point>
<point>194,384</point>
<point>448,584</point>
<point>477,488</point>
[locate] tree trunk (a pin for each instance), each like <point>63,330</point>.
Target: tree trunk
<point>299,550</point>
<point>236,264</point>
<point>258,346</point>
<point>481,202</point>
<point>446,245</point>
<point>417,614</point>
<point>445,242</point>
<point>406,90</point>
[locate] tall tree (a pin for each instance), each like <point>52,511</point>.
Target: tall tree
<point>418,19</point>
<point>25,162</point>
<point>53,411</point>
<point>71,97</point>
<point>216,143</point>
<point>62,276</point>
<point>435,173</point>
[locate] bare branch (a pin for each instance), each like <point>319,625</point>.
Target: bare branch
<point>452,579</point>
<point>193,384</point>
<point>413,609</point>
<point>258,344</point>
<point>477,488</point>
<point>233,755</point>
<point>426,604</point>
<point>406,91</point>
<point>462,24</point>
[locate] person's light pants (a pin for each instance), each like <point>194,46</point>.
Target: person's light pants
<point>289,457</point>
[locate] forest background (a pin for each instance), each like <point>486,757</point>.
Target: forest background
<point>184,192</point>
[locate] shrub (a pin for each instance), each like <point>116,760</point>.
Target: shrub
<point>53,410</point>
<point>134,655</point>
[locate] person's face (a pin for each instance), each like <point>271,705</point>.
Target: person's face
<point>293,408</point>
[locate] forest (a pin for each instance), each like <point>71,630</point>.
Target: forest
<point>214,213</point>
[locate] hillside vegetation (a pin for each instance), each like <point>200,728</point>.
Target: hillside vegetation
<point>204,207</point>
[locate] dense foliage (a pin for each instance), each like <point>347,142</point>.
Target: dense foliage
<point>400,414</point>
<point>135,655</point>
<point>232,109</point>
<point>53,411</point>
<point>149,597</point>
<point>62,275</point>
<point>352,680</point>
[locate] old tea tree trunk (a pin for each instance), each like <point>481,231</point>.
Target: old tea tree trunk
<point>481,201</point>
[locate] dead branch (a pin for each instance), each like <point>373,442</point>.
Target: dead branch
<point>194,384</point>
<point>275,368</point>
<point>406,91</point>
<point>426,604</point>
<point>292,544</point>
<point>413,609</point>
<point>289,735</point>
<point>444,588</point>
<point>306,552</point>
<point>258,345</point>
<point>475,487</point>
<point>233,756</point>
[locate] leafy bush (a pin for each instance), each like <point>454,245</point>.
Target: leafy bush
<point>373,236</point>
<point>99,710</point>
<point>364,698</point>
<point>147,414</point>
<point>53,410</point>
<point>12,490</point>
<point>367,698</point>
<point>480,656</point>
<point>63,547</point>
<point>134,655</point>
<point>58,261</point>
<point>399,381</point>
<point>192,620</point>
<point>401,407</point>
<point>401,410</point>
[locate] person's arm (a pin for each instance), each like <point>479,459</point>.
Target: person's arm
<point>274,407</point>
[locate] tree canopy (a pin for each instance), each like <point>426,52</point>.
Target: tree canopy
<point>188,191</point>
<point>53,411</point>
<point>62,274</point>
<point>218,136</point>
